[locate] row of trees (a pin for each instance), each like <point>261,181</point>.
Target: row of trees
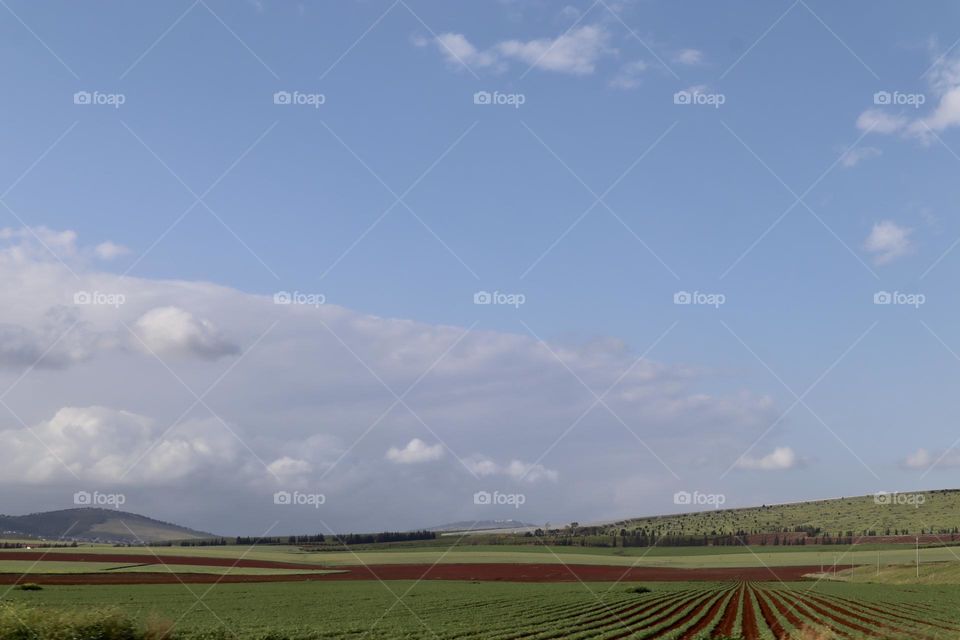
<point>36,545</point>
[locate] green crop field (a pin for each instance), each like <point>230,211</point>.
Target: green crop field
<point>686,557</point>
<point>507,610</point>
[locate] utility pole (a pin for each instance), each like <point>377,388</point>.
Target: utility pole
<point>918,556</point>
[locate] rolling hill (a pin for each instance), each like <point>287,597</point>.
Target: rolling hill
<point>907,514</point>
<point>96,525</point>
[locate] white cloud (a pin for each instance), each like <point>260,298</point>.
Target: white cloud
<point>101,444</point>
<point>289,469</point>
<point>174,331</point>
<point>877,121</point>
<point>515,469</point>
<point>415,452</point>
<point>780,459</point>
<point>458,51</point>
<point>576,51</point>
<point>689,56</point>
<point>855,156</point>
<point>888,241</point>
<point>109,250</point>
<point>944,82</point>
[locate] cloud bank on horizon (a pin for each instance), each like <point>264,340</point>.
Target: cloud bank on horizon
<point>152,384</point>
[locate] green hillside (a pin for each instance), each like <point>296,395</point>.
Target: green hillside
<point>925,512</point>
<point>105,525</point>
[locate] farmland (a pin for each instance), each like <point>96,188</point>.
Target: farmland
<point>500,611</point>
<point>497,593</point>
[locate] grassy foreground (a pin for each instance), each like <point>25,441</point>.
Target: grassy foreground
<point>432,610</point>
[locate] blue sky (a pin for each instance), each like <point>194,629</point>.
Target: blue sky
<point>597,199</point>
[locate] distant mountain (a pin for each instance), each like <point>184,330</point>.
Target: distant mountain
<point>483,525</point>
<point>95,525</point>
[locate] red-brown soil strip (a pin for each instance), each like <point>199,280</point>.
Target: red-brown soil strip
<point>724,628</point>
<point>751,630</point>
<point>710,615</point>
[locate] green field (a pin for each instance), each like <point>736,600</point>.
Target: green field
<point>25,566</point>
<point>687,557</point>
<point>424,610</point>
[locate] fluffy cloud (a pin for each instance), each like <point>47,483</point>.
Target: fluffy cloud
<point>457,50</point>
<point>780,459</point>
<point>516,469</point>
<point>100,444</point>
<point>944,82</point>
<point>109,250</point>
<point>415,452</point>
<point>888,241</point>
<point>175,331</point>
<point>575,52</point>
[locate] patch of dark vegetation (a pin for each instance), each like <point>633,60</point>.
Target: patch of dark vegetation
<point>639,590</point>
